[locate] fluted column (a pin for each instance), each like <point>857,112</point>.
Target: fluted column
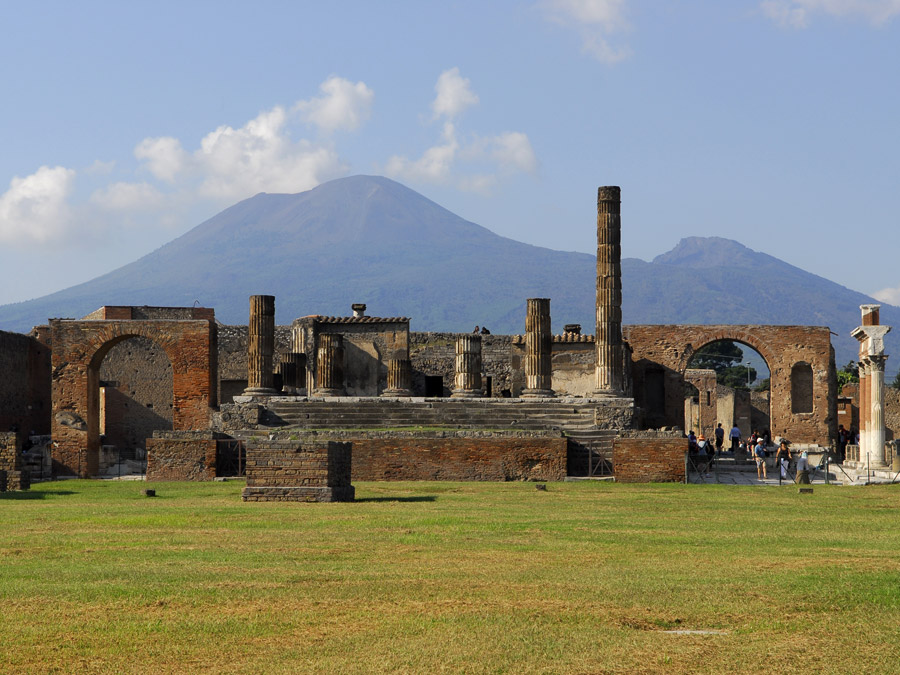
<point>261,345</point>
<point>330,365</point>
<point>398,378</point>
<point>863,406</point>
<point>467,383</point>
<point>876,411</point>
<point>538,349</point>
<point>610,371</point>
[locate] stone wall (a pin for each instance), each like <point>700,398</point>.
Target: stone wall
<point>14,476</point>
<point>650,458</point>
<point>232,357</point>
<point>661,355</point>
<point>434,354</point>
<point>136,394</point>
<point>308,471</point>
<point>181,456</point>
<point>24,384</point>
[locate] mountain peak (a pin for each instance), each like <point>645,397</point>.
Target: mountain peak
<point>712,252</point>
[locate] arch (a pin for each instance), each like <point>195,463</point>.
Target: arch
<point>672,347</point>
<point>79,348</point>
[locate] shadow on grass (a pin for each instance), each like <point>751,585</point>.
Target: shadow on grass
<point>423,498</point>
<point>27,494</point>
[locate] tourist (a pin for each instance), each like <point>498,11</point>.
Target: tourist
<point>705,452</point>
<point>843,438</point>
<point>735,436</point>
<point>720,438</point>
<point>783,458</point>
<point>477,329</point>
<point>759,453</point>
<point>485,331</point>
<point>692,441</point>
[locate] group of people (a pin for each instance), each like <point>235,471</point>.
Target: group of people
<point>757,445</point>
<point>483,330</point>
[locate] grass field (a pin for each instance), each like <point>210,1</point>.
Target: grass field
<point>450,577</point>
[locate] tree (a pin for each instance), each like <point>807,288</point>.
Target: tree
<point>848,374</point>
<point>724,357</point>
<point>896,383</point>
<point>763,385</point>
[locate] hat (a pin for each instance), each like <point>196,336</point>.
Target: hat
<point>701,437</point>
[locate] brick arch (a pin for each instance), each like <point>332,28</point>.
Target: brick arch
<point>78,350</point>
<point>671,347</point>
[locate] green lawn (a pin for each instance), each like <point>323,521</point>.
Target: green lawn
<point>450,577</point>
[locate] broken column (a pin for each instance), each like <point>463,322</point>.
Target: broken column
<point>330,365</point>
<point>538,348</point>
<point>871,386</point>
<point>467,383</point>
<point>398,376</point>
<point>610,355</point>
<point>261,346</point>
<point>299,359</point>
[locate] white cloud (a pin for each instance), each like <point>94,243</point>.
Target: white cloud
<point>164,156</point>
<point>473,164</point>
<point>454,94</point>
<point>260,156</point>
<point>343,105</point>
<point>798,13</point>
<point>34,209</point>
<point>123,196</point>
<point>889,295</point>
<point>596,21</point>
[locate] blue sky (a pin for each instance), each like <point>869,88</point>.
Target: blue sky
<point>775,123</point>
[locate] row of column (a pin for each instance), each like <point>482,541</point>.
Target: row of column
<point>329,360</point>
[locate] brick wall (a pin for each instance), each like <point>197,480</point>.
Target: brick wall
<point>307,471</point>
<point>651,458</point>
<point>181,456</point>
<point>14,477</point>
<point>24,384</point>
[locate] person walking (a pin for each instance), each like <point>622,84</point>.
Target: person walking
<point>735,436</point>
<point>783,458</point>
<point>759,453</point>
<point>720,438</point>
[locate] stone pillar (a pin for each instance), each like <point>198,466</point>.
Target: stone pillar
<point>261,347</point>
<point>467,383</point>
<point>398,378</point>
<point>299,359</point>
<point>330,365</point>
<point>610,364</point>
<point>875,440</point>
<point>871,386</point>
<point>538,348</point>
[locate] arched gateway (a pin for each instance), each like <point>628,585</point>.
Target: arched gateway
<point>800,361</point>
<point>78,350</point>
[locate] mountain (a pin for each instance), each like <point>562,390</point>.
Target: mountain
<point>370,239</point>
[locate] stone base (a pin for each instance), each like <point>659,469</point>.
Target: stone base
<point>467,393</point>
<point>299,494</point>
<point>259,391</point>
<point>608,393</point>
<point>328,392</point>
<point>396,393</point>
<point>538,393</point>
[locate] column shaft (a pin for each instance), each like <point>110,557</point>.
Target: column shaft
<point>261,345</point>
<point>609,373</point>
<point>330,365</point>
<point>398,378</point>
<point>467,382</point>
<point>538,349</point>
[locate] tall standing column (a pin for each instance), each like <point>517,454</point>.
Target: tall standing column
<point>330,365</point>
<point>876,411</point>
<point>610,363</point>
<point>863,405</point>
<point>538,349</point>
<point>467,383</point>
<point>261,346</point>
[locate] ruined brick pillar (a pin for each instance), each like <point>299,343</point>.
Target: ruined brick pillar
<point>330,365</point>
<point>610,353</point>
<point>299,359</point>
<point>261,347</point>
<point>871,386</point>
<point>398,378</point>
<point>538,348</point>
<point>467,383</point>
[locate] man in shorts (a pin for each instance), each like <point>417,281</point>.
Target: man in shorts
<point>759,453</point>
<point>720,438</point>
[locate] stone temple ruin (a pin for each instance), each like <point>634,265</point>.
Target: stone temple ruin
<point>303,410</point>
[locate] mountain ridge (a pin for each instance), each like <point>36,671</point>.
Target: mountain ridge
<point>370,239</point>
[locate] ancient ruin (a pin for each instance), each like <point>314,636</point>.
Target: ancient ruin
<point>302,410</point>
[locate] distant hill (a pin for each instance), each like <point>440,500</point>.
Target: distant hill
<point>370,239</point>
